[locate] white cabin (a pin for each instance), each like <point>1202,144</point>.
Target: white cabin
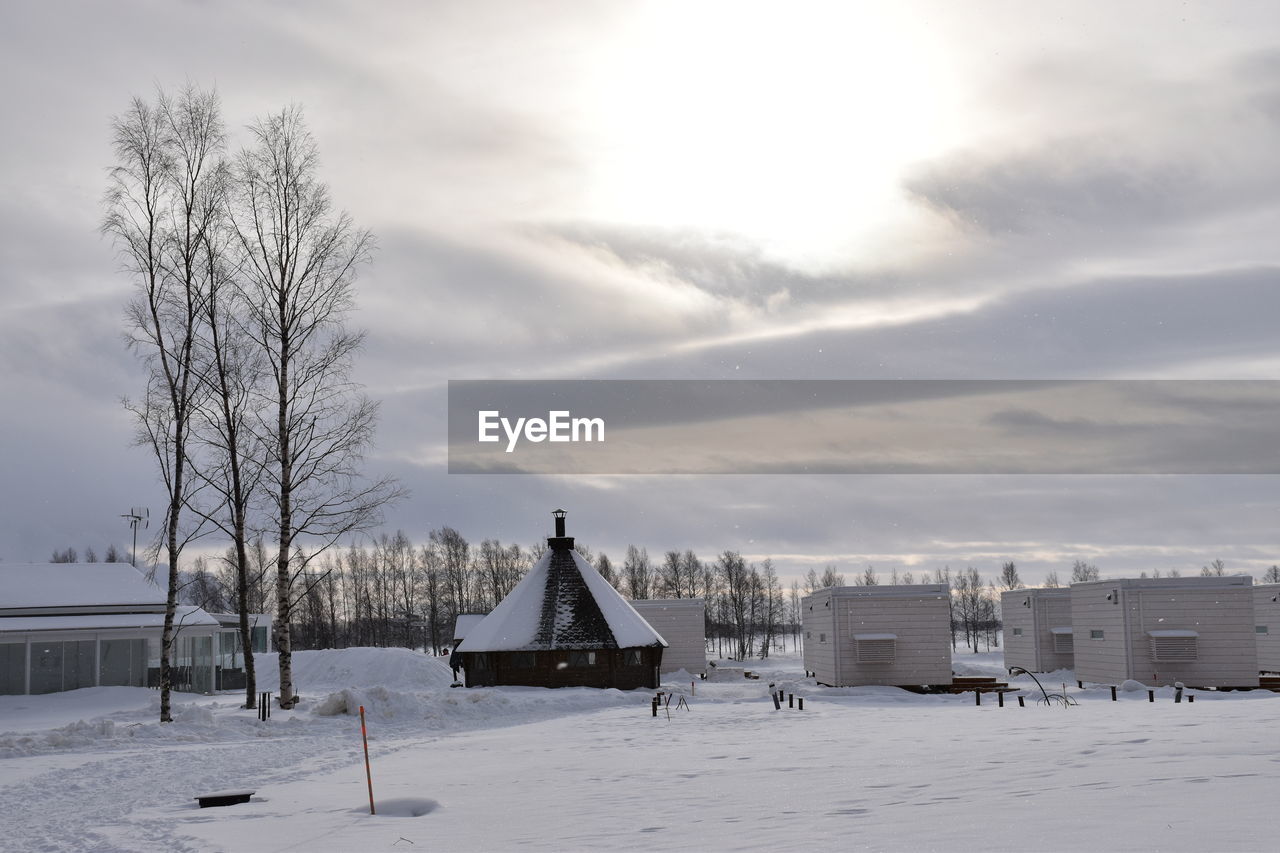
<point>1158,631</point>
<point>892,635</point>
<point>1037,629</point>
<point>1266,626</point>
<point>64,626</point>
<point>682,623</point>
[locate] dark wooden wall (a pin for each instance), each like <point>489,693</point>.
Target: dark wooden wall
<point>553,669</point>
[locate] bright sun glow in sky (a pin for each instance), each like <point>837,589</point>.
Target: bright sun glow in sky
<point>788,128</point>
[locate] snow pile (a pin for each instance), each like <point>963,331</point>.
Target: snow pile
<point>327,670</point>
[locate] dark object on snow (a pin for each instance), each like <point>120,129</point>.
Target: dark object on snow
<point>224,798</point>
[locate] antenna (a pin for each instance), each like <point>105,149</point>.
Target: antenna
<point>137,515</point>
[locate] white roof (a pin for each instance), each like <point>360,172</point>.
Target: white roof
<point>25,585</point>
<point>465,622</point>
<point>875,636</point>
<point>1172,633</point>
<point>515,622</point>
<point>186,617</point>
<point>1060,630</point>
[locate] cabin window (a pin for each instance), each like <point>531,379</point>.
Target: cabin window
<point>1180,647</point>
<point>1260,629</point>
<point>1064,644</point>
<point>822,638</point>
<point>523,660</point>
<point>877,649</point>
<point>582,658</point>
<point>1095,634</point>
<point>633,657</point>
<point>1017,632</point>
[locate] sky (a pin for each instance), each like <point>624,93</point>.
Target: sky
<point>693,191</point>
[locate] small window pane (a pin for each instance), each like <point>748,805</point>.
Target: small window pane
<point>1017,632</point>
<point>1260,629</point>
<point>13,669</point>
<point>1095,635</point>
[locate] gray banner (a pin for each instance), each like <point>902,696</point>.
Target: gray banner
<point>864,427</point>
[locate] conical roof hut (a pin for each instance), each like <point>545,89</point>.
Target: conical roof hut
<point>563,625</point>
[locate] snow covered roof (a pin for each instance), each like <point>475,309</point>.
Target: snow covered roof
<point>563,603</point>
<point>28,585</point>
<point>186,617</point>
<point>465,622</point>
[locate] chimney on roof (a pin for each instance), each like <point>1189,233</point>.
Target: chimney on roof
<point>560,542</point>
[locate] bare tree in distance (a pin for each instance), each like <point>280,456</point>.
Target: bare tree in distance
<point>300,260</point>
<point>163,197</point>
<point>1009,576</point>
<point>1271,575</point>
<point>637,573</point>
<point>1082,571</point>
<point>1216,569</point>
<point>830,577</point>
<point>1051,580</point>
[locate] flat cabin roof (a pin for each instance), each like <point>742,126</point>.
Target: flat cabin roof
<point>32,585</point>
<point>1039,591</point>
<point>185,617</point>
<point>1160,584</point>
<point>918,590</point>
<point>232,620</point>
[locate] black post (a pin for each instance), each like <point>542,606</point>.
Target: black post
<point>654,706</point>
<point>777,705</point>
<point>977,697</point>
<point>1000,699</point>
<point>1151,696</point>
<point>1191,697</point>
<point>1080,684</point>
<point>1177,694</point>
<point>1113,693</point>
<point>791,700</point>
<point>801,703</point>
<point>1022,702</point>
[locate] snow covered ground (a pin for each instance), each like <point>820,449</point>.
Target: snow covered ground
<point>582,769</point>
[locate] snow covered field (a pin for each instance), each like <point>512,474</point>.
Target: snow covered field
<point>581,769</point>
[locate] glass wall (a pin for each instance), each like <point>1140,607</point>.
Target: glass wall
<point>13,669</point>
<point>123,663</point>
<point>65,665</point>
<point>194,664</point>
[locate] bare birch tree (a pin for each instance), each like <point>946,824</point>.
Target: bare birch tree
<point>300,262</point>
<point>161,200</point>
